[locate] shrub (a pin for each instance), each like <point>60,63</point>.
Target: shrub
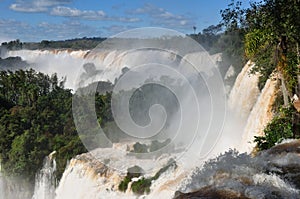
<point>278,129</point>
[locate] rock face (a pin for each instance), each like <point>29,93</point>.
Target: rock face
<point>210,193</point>
<point>274,173</point>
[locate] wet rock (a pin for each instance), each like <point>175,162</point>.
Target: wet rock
<point>210,193</point>
<point>274,173</point>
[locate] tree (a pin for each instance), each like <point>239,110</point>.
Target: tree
<point>194,28</point>
<point>212,29</point>
<point>35,119</point>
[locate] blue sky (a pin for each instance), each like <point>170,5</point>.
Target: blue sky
<point>36,20</point>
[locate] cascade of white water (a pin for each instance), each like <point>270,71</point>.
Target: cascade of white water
<point>84,177</point>
<point>45,179</point>
<point>63,63</point>
<point>69,64</point>
<point>2,188</point>
<point>260,115</point>
<point>244,92</point>
<point>87,177</point>
<point>250,106</point>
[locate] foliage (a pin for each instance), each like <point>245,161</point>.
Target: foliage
<point>35,119</point>
<point>140,148</point>
<point>142,186</point>
<point>132,172</point>
<point>272,41</point>
<point>171,163</point>
<point>233,17</point>
<point>266,24</point>
<point>76,44</point>
<point>124,184</point>
<point>255,41</point>
<point>229,43</point>
<point>155,145</point>
<point>278,129</point>
<point>264,65</point>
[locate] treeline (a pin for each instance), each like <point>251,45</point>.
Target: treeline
<point>229,42</point>
<point>76,44</point>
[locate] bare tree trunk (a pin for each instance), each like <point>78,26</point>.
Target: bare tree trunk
<point>284,92</point>
<point>281,65</point>
<point>298,71</point>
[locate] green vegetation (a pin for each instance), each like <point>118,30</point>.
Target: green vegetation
<point>133,172</point>
<point>154,146</point>
<point>278,129</point>
<point>271,39</point>
<point>142,186</point>
<point>230,43</point>
<point>124,184</point>
<point>35,119</point>
<point>76,44</point>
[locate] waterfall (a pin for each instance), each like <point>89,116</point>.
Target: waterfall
<point>260,115</point>
<point>45,179</point>
<point>53,61</point>
<point>69,64</point>
<point>86,177</point>
<point>252,107</point>
<point>244,92</point>
<point>2,188</point>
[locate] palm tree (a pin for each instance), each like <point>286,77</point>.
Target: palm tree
<point>194,27</point>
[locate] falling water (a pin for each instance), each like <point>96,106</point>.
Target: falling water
<point>244,92</point>
<point>2,188</point>
<point>45,179</point>
<point>250,106</point>
<point>87,178</point>
<point>260,115</point>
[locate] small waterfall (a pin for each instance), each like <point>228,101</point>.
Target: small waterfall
<point>45,179</point>
<point>2,188</point>
<point>260,115</point>
<point>244,92</point>
<point>87,178</point>
<point>252,107</point>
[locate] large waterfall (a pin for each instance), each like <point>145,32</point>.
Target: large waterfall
<point>86,177</point>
